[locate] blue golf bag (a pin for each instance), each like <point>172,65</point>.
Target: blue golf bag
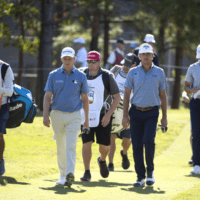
<point>22,107</point>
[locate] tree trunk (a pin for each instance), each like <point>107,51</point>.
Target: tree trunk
<point>161,39</point>
<point>106,40</point>
<point>21,55</point>
<point>45,49</point>
<point>177,83</point>
<point>95,29</point>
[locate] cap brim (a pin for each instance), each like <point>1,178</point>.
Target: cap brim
<point>70,55</point>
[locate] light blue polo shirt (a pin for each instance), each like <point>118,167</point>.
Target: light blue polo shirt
<point>146,85</point>
<point>193,74</point>
<point>66,89</point>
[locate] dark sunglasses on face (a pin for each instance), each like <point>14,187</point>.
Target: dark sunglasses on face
<point>92,61</point>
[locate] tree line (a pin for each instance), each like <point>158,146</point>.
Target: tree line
<point>174,24</point>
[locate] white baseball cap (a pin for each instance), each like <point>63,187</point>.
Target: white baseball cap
<point>149,38</point>
<point>198,52</point>
<point>145,48</point>
<point>79,40</point>
<point>68,51</point>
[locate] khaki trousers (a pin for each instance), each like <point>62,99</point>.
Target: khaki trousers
<point>66,126</point>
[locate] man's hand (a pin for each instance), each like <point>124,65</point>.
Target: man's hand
<point>195,89</point>
<point>105,120</point>
<point>86,124</point>
<point>125,122</point>
<point>164,121</point>
<point>46,121</point>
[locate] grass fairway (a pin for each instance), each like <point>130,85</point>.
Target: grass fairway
<point>31,167</point>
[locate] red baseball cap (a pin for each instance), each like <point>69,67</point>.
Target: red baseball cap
<point>93,55</point>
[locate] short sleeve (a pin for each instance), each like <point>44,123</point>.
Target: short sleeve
<point>84,85</point>
<point>49,84</point>
<point>163,82</point>
<point>129,81</point>
<point>189,77</point>
<point>113,85</point>
<point>111,58</point>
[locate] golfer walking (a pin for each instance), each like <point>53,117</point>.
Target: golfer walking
<point>148,83</point>
<point>66,91</point>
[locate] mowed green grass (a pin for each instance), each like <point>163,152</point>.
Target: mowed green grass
<point>31,151</point>
<point>30,154</point>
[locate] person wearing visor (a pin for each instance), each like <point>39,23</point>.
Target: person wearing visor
<point>117,55</point>
<point>148,84</point>
<point>102,85</point>
<point>149,38</point>
<point>120,72</point>
<point>81,53</point>
<point>67,92</point>
<point>193,77</point>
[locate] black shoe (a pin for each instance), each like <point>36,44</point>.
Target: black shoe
<point>139,183</point>
<point>150,178</point>
<point>103,168</point>
<point>69,180</point>
<point>191,161</point>
<point>125,160</point>
<point>86,176</point>
<point>111,167</point>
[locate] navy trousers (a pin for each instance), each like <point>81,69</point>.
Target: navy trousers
<point>195,120</point>
<point>143,131</point>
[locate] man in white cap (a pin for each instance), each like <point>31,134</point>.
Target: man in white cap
<point>148,84</point>
<point>81,53</point>
<point>149,38</point>
<point>193,77</point>
<point>67,92</point>
<point>117,55</point>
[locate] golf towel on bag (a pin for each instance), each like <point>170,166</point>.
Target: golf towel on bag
<point>22,107</point>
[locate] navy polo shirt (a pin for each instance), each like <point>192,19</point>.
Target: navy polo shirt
<point>146,85</point>
<point>66,89</point>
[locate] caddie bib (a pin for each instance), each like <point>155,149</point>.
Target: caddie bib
<point>96,100</point>
<point>120,82</point>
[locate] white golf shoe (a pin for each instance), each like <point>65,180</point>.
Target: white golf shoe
<point>195,170</point>
<point>61,180</point>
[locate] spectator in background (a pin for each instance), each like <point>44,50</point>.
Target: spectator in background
<point>81,55</point>
<point>117,55</point>
<point>149,38</point>
<point>133,45</point>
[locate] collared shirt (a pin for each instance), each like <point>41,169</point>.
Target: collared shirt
<point>67,89</point>
<point>146,85</point>
<point>193,74</point>
<point>82,56</point>
<point>112,56</point>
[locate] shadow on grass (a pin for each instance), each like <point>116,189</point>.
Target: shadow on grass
<point>59,189</point>
<point>122,171</point>
<point>4,180</point>
<point>193,175</point>
<point>101,183</point>
<point>144,190</point>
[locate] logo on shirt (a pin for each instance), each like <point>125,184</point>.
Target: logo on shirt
<point>59,81</point>
<point>75,81</point>
<point>92,119</point>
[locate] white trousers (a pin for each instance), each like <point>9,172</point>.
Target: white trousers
<point>66,126</point>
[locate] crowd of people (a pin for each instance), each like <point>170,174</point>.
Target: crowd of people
<point>85,96</point>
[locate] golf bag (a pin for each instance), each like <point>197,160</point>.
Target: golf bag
<point>22,107</point>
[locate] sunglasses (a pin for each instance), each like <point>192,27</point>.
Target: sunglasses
<point>92,61</point>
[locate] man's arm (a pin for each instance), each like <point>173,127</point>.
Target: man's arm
<point>106,119</point>
<point>85,102</point>
<point>125,120</point>
<point>163,100</point>
<point>188,89</point>
<point>46,106</point>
